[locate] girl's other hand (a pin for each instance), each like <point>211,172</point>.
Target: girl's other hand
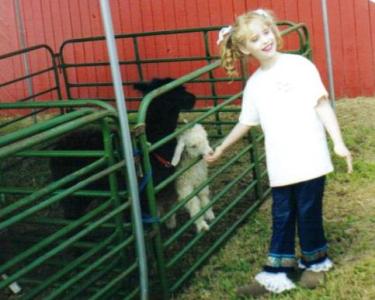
<point>213,156</point>
<point>342,151</point>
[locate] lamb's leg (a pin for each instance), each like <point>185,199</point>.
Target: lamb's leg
<point>204,196</point>
<point>193,206</point>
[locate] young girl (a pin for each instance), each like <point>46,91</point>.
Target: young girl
<point>286,97</point>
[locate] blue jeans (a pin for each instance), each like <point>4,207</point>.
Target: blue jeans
<point>297,205</point>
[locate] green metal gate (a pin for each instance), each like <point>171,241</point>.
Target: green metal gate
<point>50,257</point>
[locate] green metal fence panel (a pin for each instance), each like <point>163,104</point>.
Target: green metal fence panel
<point>139,62</point>
<point>28,84</point>
<point>49,256</point>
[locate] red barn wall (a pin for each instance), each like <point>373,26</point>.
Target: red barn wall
<point>352,27</point>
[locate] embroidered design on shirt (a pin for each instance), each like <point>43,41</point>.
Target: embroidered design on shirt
<point>283,87</point>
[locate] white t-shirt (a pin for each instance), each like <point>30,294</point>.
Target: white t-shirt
<point>282,100</point>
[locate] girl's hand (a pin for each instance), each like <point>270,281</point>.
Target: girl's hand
<point>235,134</point>
<point>342,151</point>
<point>213,156</point>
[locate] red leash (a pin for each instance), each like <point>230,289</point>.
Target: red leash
<point>163,161</point>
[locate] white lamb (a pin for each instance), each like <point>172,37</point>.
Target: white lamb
<point>192,144</point>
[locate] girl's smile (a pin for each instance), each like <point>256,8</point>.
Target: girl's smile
<point>268,48</point>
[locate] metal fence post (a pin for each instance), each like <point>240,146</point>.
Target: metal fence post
<point>126,145</point>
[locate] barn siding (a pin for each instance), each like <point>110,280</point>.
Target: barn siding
<point>9,42</point>
<point>352,26</point>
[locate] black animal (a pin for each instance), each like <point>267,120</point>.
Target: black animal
<point>161,120</point>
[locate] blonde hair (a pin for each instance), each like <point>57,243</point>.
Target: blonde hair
<point>235,39</point>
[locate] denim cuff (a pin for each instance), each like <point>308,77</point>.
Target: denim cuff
<point>280,263</point>
<point>308,264</point>
<point>313,257</point>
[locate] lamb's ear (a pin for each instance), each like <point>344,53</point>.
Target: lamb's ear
<point>178,152</point>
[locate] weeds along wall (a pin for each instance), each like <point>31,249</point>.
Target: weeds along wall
<point>92,256</point>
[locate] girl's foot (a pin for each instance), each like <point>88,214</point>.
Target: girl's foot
<point>266,282</point>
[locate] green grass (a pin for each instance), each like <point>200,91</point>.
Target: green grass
<point>349,213</point>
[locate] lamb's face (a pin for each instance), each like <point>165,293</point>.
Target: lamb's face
<point>196,142</point>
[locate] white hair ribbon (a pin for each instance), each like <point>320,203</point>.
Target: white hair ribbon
<point>261,12</point>
<point>223,32</point>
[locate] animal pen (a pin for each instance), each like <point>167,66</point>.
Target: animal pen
<point>94,256</point>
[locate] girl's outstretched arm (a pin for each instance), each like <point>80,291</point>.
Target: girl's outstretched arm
<point>236,133</point>
<point>329,120</point>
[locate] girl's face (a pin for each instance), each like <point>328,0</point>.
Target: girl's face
<point>261,43</point>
